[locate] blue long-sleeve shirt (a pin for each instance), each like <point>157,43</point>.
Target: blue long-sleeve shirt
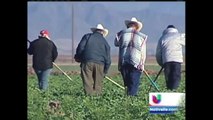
<point>93,47</point>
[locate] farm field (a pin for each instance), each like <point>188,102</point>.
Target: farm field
<point>113,104</point>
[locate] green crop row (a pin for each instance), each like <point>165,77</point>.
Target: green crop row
<point>113,104</point>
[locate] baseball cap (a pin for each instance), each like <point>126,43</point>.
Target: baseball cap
<point>44,32</point>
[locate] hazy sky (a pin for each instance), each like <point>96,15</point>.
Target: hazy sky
<point>49,13</point>
<point>165,7</point>
<point>57,18</point>
<point>168,7</point>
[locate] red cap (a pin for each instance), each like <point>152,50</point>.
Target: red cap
<point>44,32</point>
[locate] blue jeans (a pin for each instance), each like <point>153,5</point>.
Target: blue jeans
<point>43,78</point>
<point>172,72</point>
<point>131,78</point>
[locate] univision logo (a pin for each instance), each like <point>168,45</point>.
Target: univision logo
<point>156,99</point>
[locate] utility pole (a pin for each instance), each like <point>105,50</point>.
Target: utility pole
<point>73,49</point>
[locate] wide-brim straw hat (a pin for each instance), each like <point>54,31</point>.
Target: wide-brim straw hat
<point>135,21</point>
<point>100,27</point>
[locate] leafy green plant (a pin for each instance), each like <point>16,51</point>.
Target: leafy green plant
<point>113,104</point>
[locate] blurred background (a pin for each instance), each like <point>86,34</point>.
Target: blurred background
<point>67,22</point>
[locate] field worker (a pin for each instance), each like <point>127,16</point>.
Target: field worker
<point>132,54</point>
<point>44,53</point>
<point>93,52</point>
<point>169,55</point>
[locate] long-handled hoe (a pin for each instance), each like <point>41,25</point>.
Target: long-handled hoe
<point>153,83</point>
<point>114,82</point>
<point>62,71</point>
<point>155,78</point>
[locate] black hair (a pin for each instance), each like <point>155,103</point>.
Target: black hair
<point>131,24</point>
<point>99,31</point>
<point>170,26</point>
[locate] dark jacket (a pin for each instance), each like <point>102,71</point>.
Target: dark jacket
<point>93,47</point>
<point>44,53</point>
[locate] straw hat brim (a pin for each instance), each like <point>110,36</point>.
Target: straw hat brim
<point>104,30</point>
<point>139,24</point>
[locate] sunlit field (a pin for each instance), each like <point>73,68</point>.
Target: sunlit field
<point>113,104</point>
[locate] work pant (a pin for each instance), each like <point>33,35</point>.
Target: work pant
<point>131,78</point>
<point>92,75</point>
<point>172,72</point>
<point>42,76</point>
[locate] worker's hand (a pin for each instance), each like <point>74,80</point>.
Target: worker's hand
<point>140,67</point>
<point>77,59</point>
<point>104,75</point>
